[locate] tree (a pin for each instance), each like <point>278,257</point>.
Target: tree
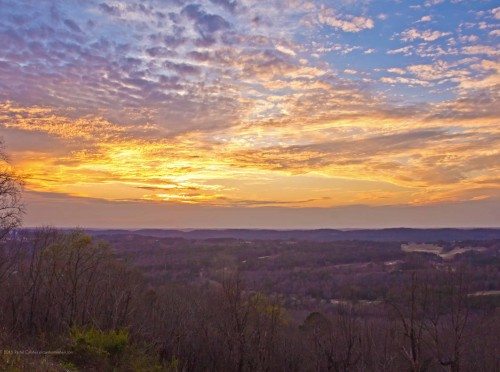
<point>335,340</point>
<point>448,317</point>
<point>411,305</point>
<point>11,207</point>
<point>11,210</point>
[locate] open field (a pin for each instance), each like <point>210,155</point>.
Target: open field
<point>438,250</point>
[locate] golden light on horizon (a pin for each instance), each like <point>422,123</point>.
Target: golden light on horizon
<point>199,169</point>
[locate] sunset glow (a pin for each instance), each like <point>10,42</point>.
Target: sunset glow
<point>250,104</point>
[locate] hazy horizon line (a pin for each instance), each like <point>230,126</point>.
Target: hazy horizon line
<point>261,228</point>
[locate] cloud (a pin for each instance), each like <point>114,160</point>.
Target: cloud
<point>430,3</point>
<point>216,101</point>
<point>407,50</point>
<point>286,50</point>
<point>396,70</point>
<point>426,35</point>
<point>47,120</point>
<point>229,5</point>
<point>468,38</point>
<point>206,23</point>
<point>110,9</point>
<point>129,163</point>
<point>496,13</point>
<point>403,80</point>
<point>72,25</point>
<point>481,49</point>
<point>439,70</point>
<point>406,158</point>
<point>489,79</point>
<point>346,23</point>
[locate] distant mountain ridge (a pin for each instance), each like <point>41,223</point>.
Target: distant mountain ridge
<point>323,235</point>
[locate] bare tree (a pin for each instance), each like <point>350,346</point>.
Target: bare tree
<point>335,340</point>
<point>11,207</point>
<point>448,317</point>
<point>11,210</point>
<point>410,307</point>
<point>237,310</point>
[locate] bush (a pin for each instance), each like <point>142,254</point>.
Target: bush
<point>98,348</point>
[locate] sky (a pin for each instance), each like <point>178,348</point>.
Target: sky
<point>251,113</point>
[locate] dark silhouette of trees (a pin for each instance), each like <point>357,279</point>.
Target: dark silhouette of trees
<point>11,207</point>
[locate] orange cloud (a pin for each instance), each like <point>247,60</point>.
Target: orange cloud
<point>250,164</point>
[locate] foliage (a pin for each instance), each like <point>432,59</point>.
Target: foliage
<point>97,347</point>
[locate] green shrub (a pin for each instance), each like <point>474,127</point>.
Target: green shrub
<point>98,348</point>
